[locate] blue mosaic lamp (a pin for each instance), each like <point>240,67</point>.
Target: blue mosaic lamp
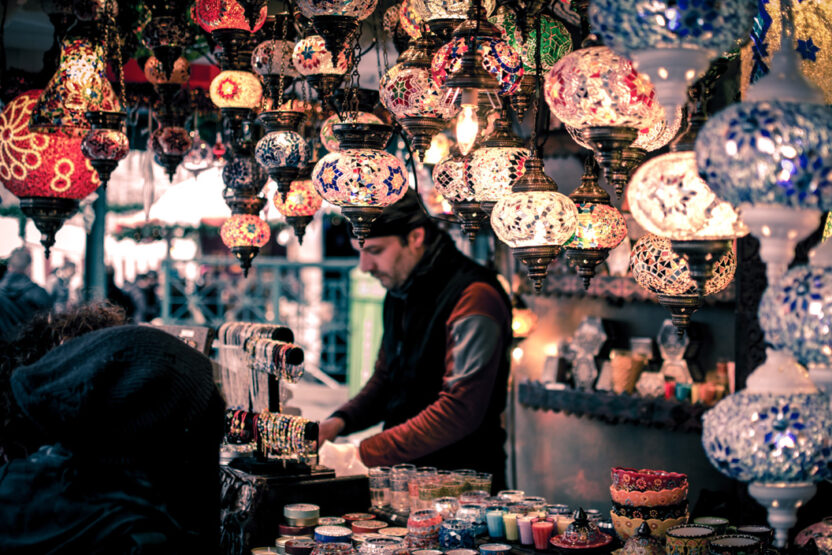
<point>672,42</point>
<point>771,157</point>
<point>796,315</point>
<point>775,434</point>
<point>282,151</point>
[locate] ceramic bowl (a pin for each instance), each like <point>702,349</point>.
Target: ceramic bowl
<point>821,532</point>
<point>649,498</point>
<point>626,527</point>
<point>660,512</point>
<point>645,479</point>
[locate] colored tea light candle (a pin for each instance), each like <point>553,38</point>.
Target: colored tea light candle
<point>557,509</point>
<point>511,495</point>
<point>376,544</point>
<point>299,546</point>
<point>542,529</point>
<point>396,531</point>
<point>494,522</point>
<point>593,514</point>
<point>289,530</point>
<point>367,526</point>
<point>562,522</point>
<point>302,511</point>
<point>510,526</point>
<point>718,523</point>
<point>331,534</point>
<point>683,392</point>
<point>331,521</point>
<point>524,525</point>
<point>456,534</point>
<point>280,543</point>
<point>495,549</point>
<point>669,389</point>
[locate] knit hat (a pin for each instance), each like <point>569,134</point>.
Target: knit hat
<point>121,391</point>
<point>401,217</point>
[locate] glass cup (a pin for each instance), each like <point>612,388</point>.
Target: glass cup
<point>456,534</point>
<point>379,478</point>
<point>399,495</point>
<point>511,495</point>
<point>482,481</point>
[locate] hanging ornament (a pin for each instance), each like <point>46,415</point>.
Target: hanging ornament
<point>322,69</point>
<point>282,151</point>
<point>328,138</point>
<point>337,21</point>
<point>272,59</point>
<point>245,234</point>
<point>301,204</point>
<point>450,182</point>
<point>106,144</point>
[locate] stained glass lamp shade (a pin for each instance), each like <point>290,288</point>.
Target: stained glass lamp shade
<point>301,204</point>
<point>46,171</point>
<point>328,138</point>
<point>659,269</point>
<point>409,19</point>
<point>771,156</point>
<point>235,89</point>
<point>775,435</point>
<point>535,220</point>
<point>106,143</point>
<point>449,181</point>
<point>600,94</point>
<point>79,86</point>
<point>322,69</point>
<point>361,178</point>
<point>557,42</point>
<point>282,151</point>
<point>272,59</point>
<point>216,15</point>
<point>170,145</point>
<point>337,21</point>
<point>244,234</point>
<point>672,42</point>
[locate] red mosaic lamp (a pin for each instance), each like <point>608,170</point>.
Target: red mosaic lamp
<point>300,206</point>
<point>46,171</point>
<point>244,234</point>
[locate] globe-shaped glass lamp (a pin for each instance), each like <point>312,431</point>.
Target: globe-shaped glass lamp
<point>212,15</point>
<point>600,228</point>
<point>170,145</point>
<point>557,42</point>
<point>235,89</point>
<point>448,178</point>
<point>274,57</point>
<point>409,19</point>
<point>491,172</point>
<point>46,171</point>
<point>431,10</point>
<point>200,157</point>
<point>796,315</point>
<point>322,69</point>
<point>499,59</point>
<point>301,204</point>
<point>154,73</point>
<point>244,234</point>
<point>282,149</point>
<point>244,174</point>
<point>106,144</point>
<point>361,178</point>
<point>359,9</point>
<point>672,42</point>
<point>775,435</point>
<point>328,138</point>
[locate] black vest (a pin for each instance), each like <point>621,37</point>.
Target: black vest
<point>414,347</point>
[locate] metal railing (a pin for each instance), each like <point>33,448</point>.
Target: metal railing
<point>310,298</point>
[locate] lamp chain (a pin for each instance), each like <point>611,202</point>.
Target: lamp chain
<point>282,70</point>
<point>355,78</point>
<point>533,149</point>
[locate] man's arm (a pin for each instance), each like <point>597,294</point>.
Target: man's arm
<point>476,345</point>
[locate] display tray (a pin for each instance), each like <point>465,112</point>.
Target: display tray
<point>281,469</point>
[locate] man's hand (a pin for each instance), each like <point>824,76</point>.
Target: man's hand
<point>329,429</point>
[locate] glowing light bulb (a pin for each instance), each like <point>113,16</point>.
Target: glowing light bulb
<point>467,128</point>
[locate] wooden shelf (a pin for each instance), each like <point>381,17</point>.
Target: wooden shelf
<point>612,408</point>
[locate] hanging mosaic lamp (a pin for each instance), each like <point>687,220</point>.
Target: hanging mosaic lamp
<point>235,89</point>
<point>337,21</point>
<point>170,143</point>
<point>672,42</point>
<point>106,144</point>
<point>46,171</point>
<point>245,234</point>
<point>449,181</point>
<point>773,434</point>
<point>282,151</point>
<point>167,35</point>
<point>520,32</point>
<point>393,26</point>
<point>362,178</point>
<point>476,62</point>
<point>79,86</point>
<point>495,167</point>
<point>200,157</point>
<point>328,138</point>
<point>179,75</point>
<point>272,59</point>
<point>410,93</point>
<point>322,69</point>
<point>600,227</point>
<point>667,197</point>
<point>444,16</point>
<point>770,157</point>
<point>535,220</point>
<point>796,315</point>
<point>603,97</point>
<point>657,268</point>
<point>300,205</point>
<point>229,15</point>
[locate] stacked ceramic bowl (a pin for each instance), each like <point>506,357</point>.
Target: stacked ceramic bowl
<point>656,497</point>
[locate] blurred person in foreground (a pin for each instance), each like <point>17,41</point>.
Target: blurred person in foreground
<point>133,421</point>
<point>18,436</point>
<point>441,374</point>
<point>20,297</point>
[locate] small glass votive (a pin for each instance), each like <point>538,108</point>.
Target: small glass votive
<point>446,507</point>
<point>562,521</point>
<point>510,527</point>
<point>424,522</point>
<point>524,526</point>
<point>456,534</point>
<point>511,495</point>
<point>536,503</point>
<point>476,515</point>
<point>495,549</point>
<point>682,392</point>
<point>428,491</point>
<point>482,481</point>
<point>474,497</point>
<point>542,530</point>
<point>399,495</point>
<point>557,509</point>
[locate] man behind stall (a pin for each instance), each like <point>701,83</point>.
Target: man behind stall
<point>440,378</point>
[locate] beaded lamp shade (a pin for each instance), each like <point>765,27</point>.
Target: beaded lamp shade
<point>311,57</point>
<point>79,86</point>
<point>235,89</point>
<point>496,56</point>
<point>657,268</point>
<point>328,138</point>
<point>213,15</point>
<point>557,42</point>
<point>47,171</point>
<point>156,75</point>
<point>594,87</point>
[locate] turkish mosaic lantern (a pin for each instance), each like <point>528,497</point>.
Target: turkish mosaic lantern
<point>282,151</point>
<point>245,234</point>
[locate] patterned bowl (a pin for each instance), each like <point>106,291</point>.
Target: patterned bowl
<point>660,512</point>
<point>626,527</point>
<point>630,479</point>
<point>649,498</point>
<point>821,532</point>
